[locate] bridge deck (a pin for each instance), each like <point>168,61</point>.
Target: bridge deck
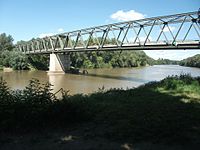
<point>148,46</point>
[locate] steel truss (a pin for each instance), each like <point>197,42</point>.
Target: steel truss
<point>179,31</point>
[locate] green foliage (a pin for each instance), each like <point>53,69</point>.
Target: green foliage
<point>1,67</point>
<point>5,95</point>
<point>87,64</point>
<point>162,61</point>
<point>184,84</point>
<point>35,107</point>
<point>9,57</point>
<point>18,61</point>
<point>5,58</point>
<point>110,59</point>
<point>40,62</point>
<point>191,61</point>
<point>6,42</point>
<point>37,94</point>
<point>13,59</point>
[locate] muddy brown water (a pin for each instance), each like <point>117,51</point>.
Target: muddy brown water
<point>97,78</point>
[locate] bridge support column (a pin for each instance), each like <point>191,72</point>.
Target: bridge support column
<point>59,63</point>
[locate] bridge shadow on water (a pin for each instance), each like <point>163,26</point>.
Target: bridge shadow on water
<point>123,78</point>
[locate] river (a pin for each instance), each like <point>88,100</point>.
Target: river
<point>97,78</point>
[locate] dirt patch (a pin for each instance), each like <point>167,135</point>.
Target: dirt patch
<point>81,137</point>
<point>7,69</point>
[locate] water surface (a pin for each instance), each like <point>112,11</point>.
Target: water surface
<point>97,78</point>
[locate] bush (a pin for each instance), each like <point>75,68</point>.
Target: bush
<point>18,61</point>
<point>40,62</point>
<point>5,96</point>
<point>14,59</point>
<point>36,106</point>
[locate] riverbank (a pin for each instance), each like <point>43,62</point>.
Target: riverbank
<point>161,115</point>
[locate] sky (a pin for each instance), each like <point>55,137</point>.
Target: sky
<point>27,19</point>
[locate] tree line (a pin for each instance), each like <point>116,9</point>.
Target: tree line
<point>191,61</point>
<point>11,57</point>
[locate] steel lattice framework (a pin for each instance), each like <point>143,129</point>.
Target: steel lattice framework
<point>179,31</point>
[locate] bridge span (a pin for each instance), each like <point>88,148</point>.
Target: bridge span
<point>178,31</point>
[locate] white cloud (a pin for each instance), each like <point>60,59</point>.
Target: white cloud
<point>166,29</point>
<point>127,15</point>
<point>144,38</point>
<point>42,35</point>
<point>60,30</point>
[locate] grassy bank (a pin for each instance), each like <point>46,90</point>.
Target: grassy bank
<point>158,112</point>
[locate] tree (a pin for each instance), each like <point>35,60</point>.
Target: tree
<point>191,61</point>
<point>14,59</point>
<point>6,42</point>
<point>18,60</point>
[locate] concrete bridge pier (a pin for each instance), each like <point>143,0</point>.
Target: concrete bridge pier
<point>59,63</point>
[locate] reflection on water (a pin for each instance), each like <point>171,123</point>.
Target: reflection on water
<point>97,78</point>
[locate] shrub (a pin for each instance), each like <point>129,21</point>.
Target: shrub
<point>14,59</point>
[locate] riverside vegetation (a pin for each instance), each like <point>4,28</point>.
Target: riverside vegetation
<point>159,112</point>
<point>191,61</point>
<point>10,57</point>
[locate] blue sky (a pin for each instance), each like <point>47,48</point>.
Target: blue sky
<point>25,19</point>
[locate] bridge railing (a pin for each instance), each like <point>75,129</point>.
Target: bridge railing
<point>179,31</point>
